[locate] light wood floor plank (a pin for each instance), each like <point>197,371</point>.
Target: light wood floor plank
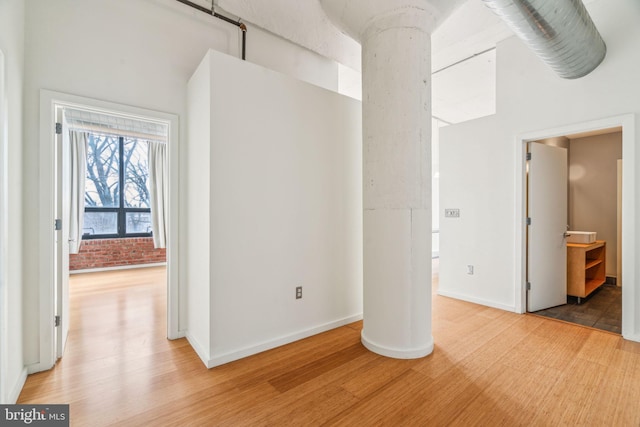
<point>489,367</point>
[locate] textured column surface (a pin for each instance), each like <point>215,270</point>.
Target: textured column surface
<point>397,184</point>
<point>396,120</point>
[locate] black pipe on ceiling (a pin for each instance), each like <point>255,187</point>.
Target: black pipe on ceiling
<point>211,12</point>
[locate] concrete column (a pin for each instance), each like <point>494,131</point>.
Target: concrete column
<point>396,115</point>
<point>396,118</point>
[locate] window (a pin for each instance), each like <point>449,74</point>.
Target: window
<point>116,193</point>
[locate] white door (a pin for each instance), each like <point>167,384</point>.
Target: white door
<point>63,197</point>
<point>547,209</point>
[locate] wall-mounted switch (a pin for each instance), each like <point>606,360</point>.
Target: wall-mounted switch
<point>469,269</point>
<point>298,292</point>
<point>452,213</point>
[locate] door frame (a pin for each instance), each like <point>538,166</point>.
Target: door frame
<point>49,101</point>
<point>4,227</point>
<point>629,292</point>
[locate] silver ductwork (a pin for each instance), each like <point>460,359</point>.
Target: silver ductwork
<point>560,32</point>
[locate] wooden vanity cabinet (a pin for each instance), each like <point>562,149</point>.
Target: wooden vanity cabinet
<point>586,268</point>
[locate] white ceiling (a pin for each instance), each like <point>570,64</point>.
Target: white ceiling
<point>463,60</point>
<point>463,89</point>
<point>470,29</point>
<point>466,90</point>
<point>300,21</point>
<point>463,48</point>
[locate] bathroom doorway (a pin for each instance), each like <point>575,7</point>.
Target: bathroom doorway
<point>618,133</point>
<point>593,238</point>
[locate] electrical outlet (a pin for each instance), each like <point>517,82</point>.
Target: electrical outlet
<point>452,213</point>
<point>469,269</point>
<point>298,292</point>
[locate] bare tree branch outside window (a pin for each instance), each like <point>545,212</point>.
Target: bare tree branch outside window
<point>116,164</point>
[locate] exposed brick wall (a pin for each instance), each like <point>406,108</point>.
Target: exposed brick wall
<point>104,253</point>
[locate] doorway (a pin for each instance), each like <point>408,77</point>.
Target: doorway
<point>52,295</point>
<point>627,125</point>
<point>4,208</point>
<point>588,288</point>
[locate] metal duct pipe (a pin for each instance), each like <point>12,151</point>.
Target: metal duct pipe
<point>560,32</point>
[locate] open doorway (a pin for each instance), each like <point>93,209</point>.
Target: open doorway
<point>110,197</point>
<point>106,123</point>
<point>589,290</point>
<point>627,274</point>
<point>4,208</point>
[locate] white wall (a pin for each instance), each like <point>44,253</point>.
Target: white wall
<point>197,199</point>
<point>476,176</point>
<point>272,52</point>
<point>478,159</point>
<point>593,178</point>
<point>12,46</point>
<point>285,208</point>
<point>132,52</point>
<point>435,187</point>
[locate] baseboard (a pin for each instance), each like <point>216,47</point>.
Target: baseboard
<point>119,267</point>
<point>268,345</point>
<point>198,348</point>
<point>631,337</point>
<point>475,300</point>
<point>14,394</point>
<point>37,367</point>
<point>395,353</point>
<point>180,334</point>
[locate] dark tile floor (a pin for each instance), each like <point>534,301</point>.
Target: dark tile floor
<point>601,310</point>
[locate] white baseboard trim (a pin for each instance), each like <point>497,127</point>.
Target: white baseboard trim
<point>198,348</point>
<point>120,267</point>
<point>395,353</point>
<point>632,337</point>
<point>277,342</point>
<point>17,387</point>
<point>180,334</point>
<point>38,367</point>
<point>475,300</point>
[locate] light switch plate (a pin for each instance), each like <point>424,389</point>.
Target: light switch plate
<point>452,213</point>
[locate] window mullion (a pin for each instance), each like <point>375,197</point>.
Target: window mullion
<point>121,214</point>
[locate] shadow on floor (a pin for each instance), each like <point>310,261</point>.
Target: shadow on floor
<point>601,310</point>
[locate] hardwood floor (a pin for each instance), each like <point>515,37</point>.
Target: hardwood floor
<point>489,367</point>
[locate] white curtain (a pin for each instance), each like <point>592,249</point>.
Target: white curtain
<point>158,190</point>
<point>78,172</point>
